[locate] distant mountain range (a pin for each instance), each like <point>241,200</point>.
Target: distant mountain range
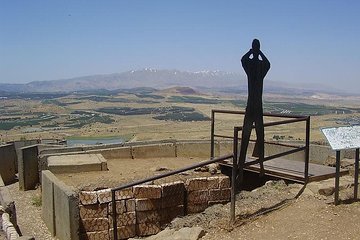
<point>214,81</point>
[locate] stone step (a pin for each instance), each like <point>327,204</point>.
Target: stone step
<point>76,163</point>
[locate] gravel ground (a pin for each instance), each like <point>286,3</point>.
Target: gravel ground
<point>28,214</point>
<point>273,212</point>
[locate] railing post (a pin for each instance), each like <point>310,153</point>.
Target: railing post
<point>234,174</point>
<point>212,153</point>
<point>307,150</point>
<point>337,178</point>
<point>356,181</point>
<point>114,217</point>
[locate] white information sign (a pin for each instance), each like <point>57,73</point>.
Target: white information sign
<point>341,138</point>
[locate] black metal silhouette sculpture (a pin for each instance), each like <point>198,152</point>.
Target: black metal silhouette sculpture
<point>256,71</point>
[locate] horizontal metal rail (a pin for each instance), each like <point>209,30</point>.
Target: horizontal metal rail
<point>281,115</point>
<point>293,119</point>
<point>223,136</point>
<point>184,169</point>
<point>235,137</point>
<point>270,143</point>
<point>275,156</point>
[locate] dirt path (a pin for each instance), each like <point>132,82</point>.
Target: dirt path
<point>29,213</point>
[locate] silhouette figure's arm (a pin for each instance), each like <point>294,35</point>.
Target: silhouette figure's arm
<point>245,60</point>
<point>265,60</point>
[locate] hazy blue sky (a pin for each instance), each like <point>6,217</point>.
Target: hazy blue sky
<point>306,41</point>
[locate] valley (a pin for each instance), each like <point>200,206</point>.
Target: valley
<point>150,114</point>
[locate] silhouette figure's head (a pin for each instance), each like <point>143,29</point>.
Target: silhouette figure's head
<point>256,47</point>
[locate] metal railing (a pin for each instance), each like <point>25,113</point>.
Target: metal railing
<point>235,137</point>
<point>128,185</point>
<point>293,119</point>
<point>233,156</point>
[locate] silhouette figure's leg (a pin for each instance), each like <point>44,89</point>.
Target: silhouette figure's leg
<point>245,137</point>
<point>259,127</point>
<point>256,149</point>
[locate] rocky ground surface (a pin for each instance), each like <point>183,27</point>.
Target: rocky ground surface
<point>277,210</point>
<point>280,211</point>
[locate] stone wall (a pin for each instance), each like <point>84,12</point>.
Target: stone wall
<point>142,210</point>
<point>182,148</point>
<point>150,149</point>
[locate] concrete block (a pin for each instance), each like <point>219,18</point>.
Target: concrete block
<point>154,150</point>
<point>147,204</point>
<point>124,194</point>
<point>102,146</point>
<point>8,159</point>
<point>28,168</point>
<point>124,219</point>
<point>271,149</point>
<point>195,184</point>
<point>66,212</point>
<point>47,200</point>
<point>20,144</point>
<point>102,235</point>
<point>88,197</point>
<point>148,216</point>
<point>224,182</point>
<point>196,208</point>
<point>104,195</point>
<point>61,150</point>
<point>147,191</point>
<point>114,153</point>
<point>103,163</point>
<point>318,154</point>
<point>130,205</point>
<point>120,207</point>
<point>220,194</point>
<point>93,211</point>
<point>198,197</point>
<point>94,225</point>
<point>195,149</point>
<point>75,163</point>
<point>226,147</point>
<point>213,182</point>
<point>171,189</point>
<point>168,214</point>
<point>146,229</point>
<point>124,232</point>
<point>349,153</point>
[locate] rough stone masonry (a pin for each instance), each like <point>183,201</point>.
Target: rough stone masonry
<point>142,210</point>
